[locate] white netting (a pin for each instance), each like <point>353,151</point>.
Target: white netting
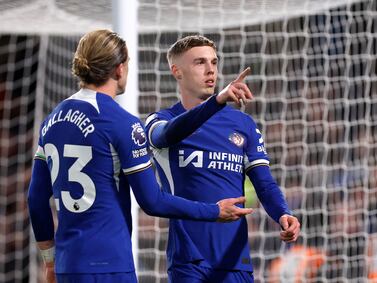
<point>17,90</point>
<point>314,79</point>
<point>315,86</point>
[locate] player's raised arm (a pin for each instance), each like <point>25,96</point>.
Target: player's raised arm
<point>162,133</point>
<point>159,203</point>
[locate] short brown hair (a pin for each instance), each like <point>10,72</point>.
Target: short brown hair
<point>96,56</point>
<point>186,43</point>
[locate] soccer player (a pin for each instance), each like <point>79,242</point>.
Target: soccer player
<point>203,150</point>
<point>90,150</point>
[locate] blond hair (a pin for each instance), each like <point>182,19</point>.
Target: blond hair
<point>97,55</point>
<point>186,43</point>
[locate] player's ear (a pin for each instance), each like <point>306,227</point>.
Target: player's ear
<point>119,71</point>
<point>176,72</point>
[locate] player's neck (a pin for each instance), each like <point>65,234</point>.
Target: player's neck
<point>189,101</point>
<point>107,88</point>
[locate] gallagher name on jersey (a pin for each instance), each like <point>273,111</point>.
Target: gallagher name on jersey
<point>73,116</point>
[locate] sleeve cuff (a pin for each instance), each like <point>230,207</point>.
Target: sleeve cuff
<point>215,211</point>
<point>213,102</point>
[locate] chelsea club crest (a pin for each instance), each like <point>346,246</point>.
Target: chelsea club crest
<point>237,139</point>
<point>138,134</point>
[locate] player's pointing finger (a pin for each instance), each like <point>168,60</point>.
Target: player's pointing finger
<point>243,75</point>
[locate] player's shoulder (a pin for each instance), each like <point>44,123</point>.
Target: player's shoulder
<point>123,125</point>
<point>238,115</point>
<point>122,119</point>
<point>106,108</point>
<point>172,111</point>
<point>165,114</point>
<point>99,103</point>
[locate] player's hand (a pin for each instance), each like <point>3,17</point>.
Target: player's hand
<point>50,272</point>
<point>290,228</point>
<point>230,212</point>
<point>236,91</point>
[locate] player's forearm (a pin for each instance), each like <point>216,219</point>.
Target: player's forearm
<point>158,203</point>
<point>268,192</point>
<point>179,128</point>
<point>38,202</point>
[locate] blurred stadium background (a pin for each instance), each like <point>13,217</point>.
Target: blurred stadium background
<point>315,86</point>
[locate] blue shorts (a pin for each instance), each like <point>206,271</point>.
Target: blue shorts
<point>193,273</point>
<point>126,277</point>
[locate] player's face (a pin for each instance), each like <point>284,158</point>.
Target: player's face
<point>198,70</point>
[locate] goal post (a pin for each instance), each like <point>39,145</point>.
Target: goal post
<point>125,16</point>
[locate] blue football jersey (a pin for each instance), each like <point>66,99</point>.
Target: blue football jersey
<point>87,141</point>
<point>208,166</point>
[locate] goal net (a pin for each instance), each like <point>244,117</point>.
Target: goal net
<point>314,81</point>
<point>315,100</point>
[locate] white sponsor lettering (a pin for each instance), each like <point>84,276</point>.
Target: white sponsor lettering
<point>139,152</point>
<point>228,166</point>
<point>260,139</point>
<point>225,156</point>
<point>261,148</point>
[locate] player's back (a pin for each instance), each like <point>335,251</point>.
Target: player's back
<point>80,139</point>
